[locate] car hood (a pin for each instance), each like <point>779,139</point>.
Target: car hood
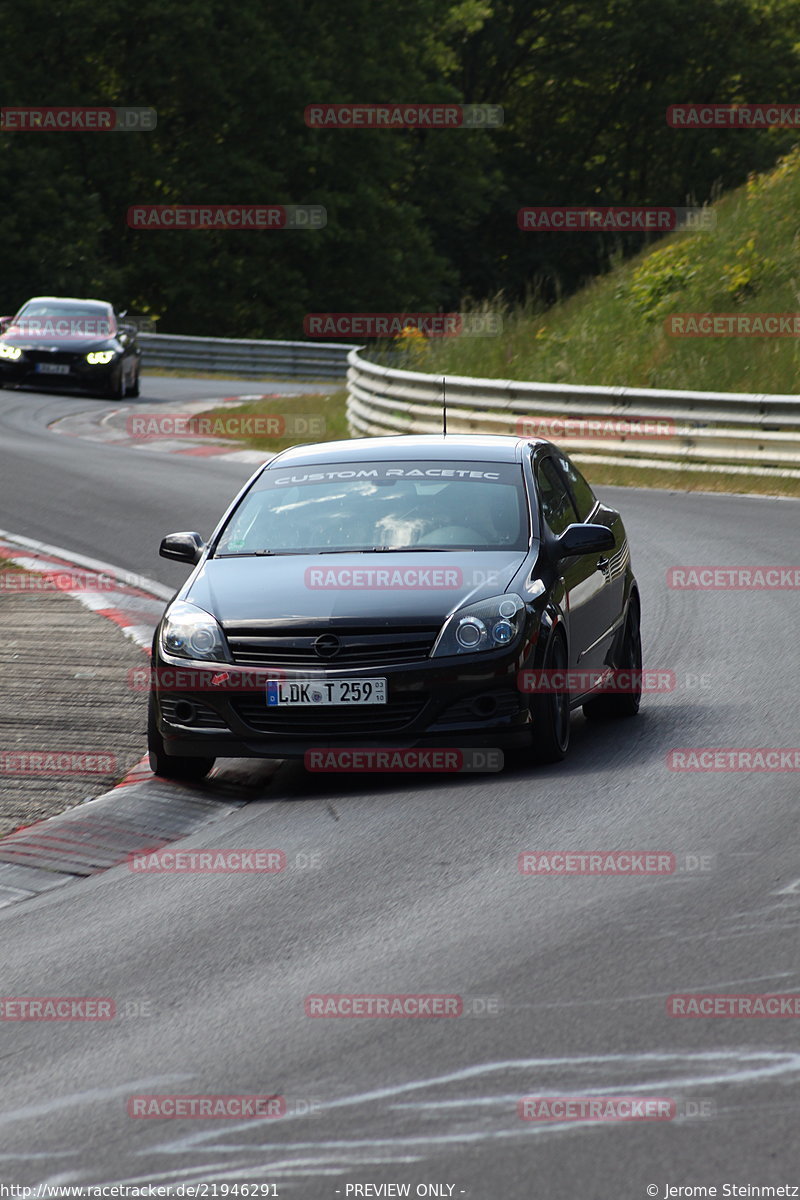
<point>27,341</point>
<point>320,587</point>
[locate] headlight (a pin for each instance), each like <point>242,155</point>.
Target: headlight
<point>488,625</point>
<point>189,632</point>
<point>98,358</point>
<point>10,351</point>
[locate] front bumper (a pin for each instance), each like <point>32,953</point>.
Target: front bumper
<point>463,703</point>
<point>79,375</point>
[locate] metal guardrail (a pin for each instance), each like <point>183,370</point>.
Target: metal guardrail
<point>246,356</point>
<point>719,430</point>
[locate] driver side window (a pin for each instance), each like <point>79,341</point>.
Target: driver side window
<point>585,499</point>
<point>557,507</point>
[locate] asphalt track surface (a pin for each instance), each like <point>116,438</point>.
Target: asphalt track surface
<point>413,887</point>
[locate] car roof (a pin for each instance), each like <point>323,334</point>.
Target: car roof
<point>458,446</point>
<point>65,300</point>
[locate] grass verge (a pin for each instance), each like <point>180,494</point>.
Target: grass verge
<point>332,409</point>
<point>256,380</point>
<point>327,409</point>
<point>676,480</point>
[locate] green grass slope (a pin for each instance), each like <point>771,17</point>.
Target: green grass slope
<point>614,331</point>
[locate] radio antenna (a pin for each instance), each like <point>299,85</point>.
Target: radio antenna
<point>444,409</point>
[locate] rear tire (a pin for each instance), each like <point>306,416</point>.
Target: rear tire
<point>172,766</point>
<point>551,710</point>
<point>613,705</point>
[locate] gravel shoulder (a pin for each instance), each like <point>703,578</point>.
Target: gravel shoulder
<point>71,724</point>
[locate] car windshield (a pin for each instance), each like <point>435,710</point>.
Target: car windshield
<point>54,319</point>
<point>380,507</point>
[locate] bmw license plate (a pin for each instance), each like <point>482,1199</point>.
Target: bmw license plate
<point>312,694</point>
<point>53,368</point>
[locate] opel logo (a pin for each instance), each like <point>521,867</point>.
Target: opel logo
<point>327,645</point>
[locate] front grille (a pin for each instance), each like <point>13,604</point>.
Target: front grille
<point>46,356</point>
<point>330,722</point>
<point>359,647</point>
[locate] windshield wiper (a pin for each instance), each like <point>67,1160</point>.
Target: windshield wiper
<point>390,550</point>
<point>349,550</point>
<point>257,553</point>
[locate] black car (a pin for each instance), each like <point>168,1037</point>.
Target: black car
<point>74,343</point>
<point>397,592</point>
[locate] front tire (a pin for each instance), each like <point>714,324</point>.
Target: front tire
<point>116,389</point>
<point>613,705</point>
<point>133,390</point>
<point>551,710</point>
<point>172,766</point>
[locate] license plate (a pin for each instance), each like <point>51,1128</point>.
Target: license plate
<point>53,368</point>
<point>299,694</point>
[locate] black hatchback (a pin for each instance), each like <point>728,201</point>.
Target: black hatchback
<point>397,592</point>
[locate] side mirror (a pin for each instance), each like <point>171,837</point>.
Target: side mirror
<point>122,314</point>
<point>182,547</point>
<point>584,539</point>
<point>4,323</point>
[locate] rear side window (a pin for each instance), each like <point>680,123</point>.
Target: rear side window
<point>582,494</point>
<point>557,507</point>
